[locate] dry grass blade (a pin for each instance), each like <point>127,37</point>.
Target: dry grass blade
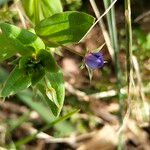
<point>104,31</point>
<point>106,11</point>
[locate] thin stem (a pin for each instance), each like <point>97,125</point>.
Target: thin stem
<point>128,28</point>
<point>118,74</point>
<point>65,47</point>
<point>106,11</point>
<point>111,20</point>
<point>29,138</point>
<point>113,36</point>
<point>129,43</point>
<point>72,50</point>
<point>37,17</point>
<point>117,64</point>
<point>104,31</point>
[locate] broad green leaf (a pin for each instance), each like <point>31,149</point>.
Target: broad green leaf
<point>18,80</point>
<point>64,28</point>
<point>43,9</point>
<point>47,61</point>
<point>53,91</point>
<point>9,47</point>
<point>26,37</point>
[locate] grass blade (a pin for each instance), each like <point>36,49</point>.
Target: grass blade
<point>33,136</point>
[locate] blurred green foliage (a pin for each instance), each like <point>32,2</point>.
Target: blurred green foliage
<point>72,4</point>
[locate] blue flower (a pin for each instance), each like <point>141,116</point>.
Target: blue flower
<point>94,60</point>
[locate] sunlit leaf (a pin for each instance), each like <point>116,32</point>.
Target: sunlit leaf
<point>56,81</point>
<point>53,91</point>
<point>43,9</point>
<point>47,60</point>
<point>9,47</point>
<point>64,28</point>
<point>26,37</point>
<point>18,80</point>
<point>50,7</point>
<point>51,94</point>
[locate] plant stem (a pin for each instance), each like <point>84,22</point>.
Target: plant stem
<point>109,20</point>
<point>117,64</point>
<point>106,11</point>
<point>128,27</point>
<point>129,43</point>
<point>104,31</point>
<point>119,75</point>
<point>37,17</point>
<point>113,36</point>
<point>65,47</point>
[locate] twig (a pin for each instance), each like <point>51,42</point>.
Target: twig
<point>145,14</point>
<point>72,140</point>
<point>83,96</point>
<point>140,86</point>
<point>137,71</point>
<point>78,93</point>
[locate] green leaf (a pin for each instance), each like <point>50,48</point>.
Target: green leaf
<point>47,61</point>
<point>29,7</point>
<point>26,96</point>
<point>44,9</point>
<point>56,81</point>
<point>53,91</point>
<point>26,37</point>
<point>51,7</point>
<point>33,67</point>
<point>51,94</point>
<point>9,47</point>
<point>37,74</point>
<point>3,75</point>
<point>51,105</point>
<point>65,28</point>
<point>18,80</point>
<point>24,61</point>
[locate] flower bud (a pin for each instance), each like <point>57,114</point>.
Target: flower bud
<point>94,60</point>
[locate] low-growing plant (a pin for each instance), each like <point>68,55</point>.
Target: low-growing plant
<point>35,65</point>
<point>31,52</point>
